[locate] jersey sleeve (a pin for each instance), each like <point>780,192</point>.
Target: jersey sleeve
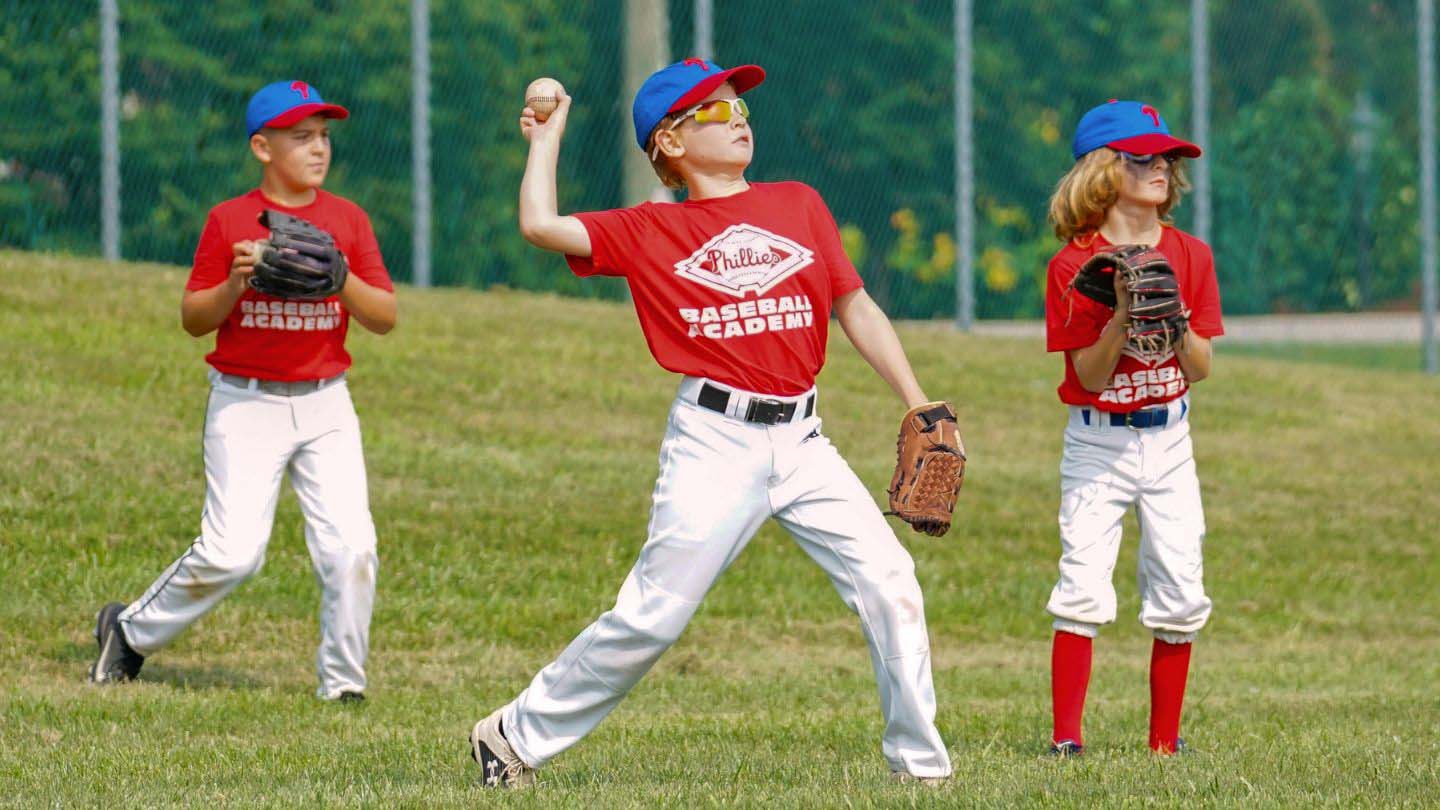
<point>843,276</point>
<point>1072,321</point>
<point>1204,295</point>
<point>212,257</point>
<point>364,256</point>
<point>617,239</point>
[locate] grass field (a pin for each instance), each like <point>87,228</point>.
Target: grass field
<point>1386,356</point>
<point>511,442</point>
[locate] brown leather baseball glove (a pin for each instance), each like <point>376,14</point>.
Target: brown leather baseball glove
<point>929,468</point>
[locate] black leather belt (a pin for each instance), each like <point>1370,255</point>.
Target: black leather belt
<point>280,387</point>
<point>760,410</point>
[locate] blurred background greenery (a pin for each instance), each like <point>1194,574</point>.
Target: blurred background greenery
<point>1312,147</point>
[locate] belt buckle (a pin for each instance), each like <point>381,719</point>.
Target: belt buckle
<point>765,411</point>
<point>1153,417</point>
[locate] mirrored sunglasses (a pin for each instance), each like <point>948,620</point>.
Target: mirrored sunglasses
<point>1133,159</point>
<point>719,111</point>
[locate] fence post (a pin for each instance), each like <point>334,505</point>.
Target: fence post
<point>704,44</point>
<point>647,49</point>
<point>1200,105</point>
<point>420,133</point>
<point>964,171</point>
<point>110,130</point>
<point>1426,28</point>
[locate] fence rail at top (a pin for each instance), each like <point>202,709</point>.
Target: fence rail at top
<point>1312,151</point>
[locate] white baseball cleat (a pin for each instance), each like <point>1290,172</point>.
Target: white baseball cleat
<point>502,767</point>
<point>927,781</point>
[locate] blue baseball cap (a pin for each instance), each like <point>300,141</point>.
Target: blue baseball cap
<point>675,87</point>
<point>1128,126</point>
<point>285,103</point>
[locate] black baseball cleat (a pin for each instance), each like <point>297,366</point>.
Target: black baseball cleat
<point>350,696</point>
<point>502,767</point>
<point>117,661</point>
<point>1067,748</point>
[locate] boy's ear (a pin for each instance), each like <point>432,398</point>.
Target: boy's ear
<point>670,143</point>
<point>260,147</point>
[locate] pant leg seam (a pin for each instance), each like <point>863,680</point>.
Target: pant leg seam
<point>166,583</point>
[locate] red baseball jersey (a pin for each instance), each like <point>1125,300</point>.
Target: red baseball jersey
<point>270,337</point>
<point>737,289</point>
<point>1073,321</point>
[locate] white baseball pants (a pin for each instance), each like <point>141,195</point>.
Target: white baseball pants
<point>251,439</point>
<point>720,478</point>
<point>1104,470</point>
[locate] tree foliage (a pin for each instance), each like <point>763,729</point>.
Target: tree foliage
<point>1312,138</point>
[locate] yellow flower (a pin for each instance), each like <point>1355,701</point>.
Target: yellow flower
<point>942,260</point>
<point>999,272</point>
<point>904,221</point>
<point>852,239</point>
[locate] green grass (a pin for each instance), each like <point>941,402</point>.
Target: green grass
<point>1387,356</point>
<point>511,442</point>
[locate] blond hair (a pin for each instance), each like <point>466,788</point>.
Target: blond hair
<point>1086,193</point>
<point>661,163</point>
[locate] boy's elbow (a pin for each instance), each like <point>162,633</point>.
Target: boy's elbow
<point>533,232</point>
<point>193,327</point>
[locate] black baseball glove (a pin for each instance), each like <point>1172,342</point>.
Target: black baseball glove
<point>298,261</point>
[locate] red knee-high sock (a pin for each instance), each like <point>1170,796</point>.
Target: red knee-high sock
<point>1069,678</point>
<point>1169,666</point>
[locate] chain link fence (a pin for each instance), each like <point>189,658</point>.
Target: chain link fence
<point>1312,143</point>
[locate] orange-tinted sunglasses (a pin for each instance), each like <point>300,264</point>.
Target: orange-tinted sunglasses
<point>719,111</point>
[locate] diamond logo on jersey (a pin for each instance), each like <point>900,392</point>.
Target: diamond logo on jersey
<point>744,259</point>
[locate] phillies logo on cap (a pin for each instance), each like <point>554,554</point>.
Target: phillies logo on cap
<point>675,87</point>
<point>745,258</point>
<point>1127,126</point>
<point>286,103</point>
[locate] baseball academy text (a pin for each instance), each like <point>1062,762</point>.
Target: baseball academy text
<point>291,316</point>
<point>1148,383</point>
<point>750,317</point>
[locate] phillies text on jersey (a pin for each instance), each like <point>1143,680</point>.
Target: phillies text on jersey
<point>735,289</point>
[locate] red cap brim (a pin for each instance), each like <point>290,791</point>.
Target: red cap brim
<point>1155,143</point>
<point>295,115</point>
<point>743,78</point>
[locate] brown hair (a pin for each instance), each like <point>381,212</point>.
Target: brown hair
<point>660,163</point>
<point>1091,187</point>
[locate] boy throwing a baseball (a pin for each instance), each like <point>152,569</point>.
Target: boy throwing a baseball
<point>278,398</point>
<point>733,288</point>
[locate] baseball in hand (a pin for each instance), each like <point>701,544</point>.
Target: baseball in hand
<point>543,96</point>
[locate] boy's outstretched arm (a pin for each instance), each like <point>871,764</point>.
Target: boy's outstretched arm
<point>540,220</point>
<point>870,331</point>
